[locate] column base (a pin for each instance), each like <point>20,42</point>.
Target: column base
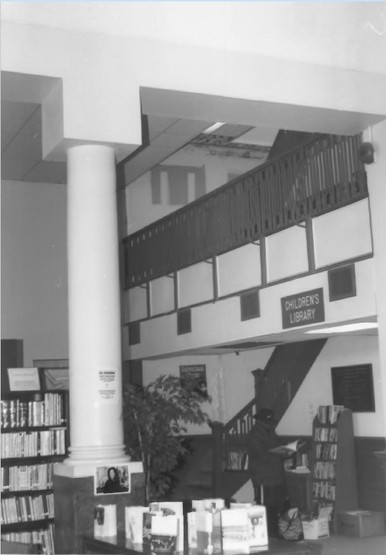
<point>75,503</point>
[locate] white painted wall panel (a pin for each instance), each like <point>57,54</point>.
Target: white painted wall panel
<point>162,295</point>
<point>286,253</point>
<point>195,284</point>
<point>342,234</point>
<point>137,304</point>
<point>239,269</point>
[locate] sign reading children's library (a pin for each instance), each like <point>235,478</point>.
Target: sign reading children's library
<point>303,308</point>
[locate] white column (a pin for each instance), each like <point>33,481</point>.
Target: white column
<point>96,429</point>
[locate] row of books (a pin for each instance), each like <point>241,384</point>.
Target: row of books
<point>326,434</point>
<point>27,509</point>
<point>328,414</point>
<point>48,411</point>
<point>32,444</point>
<point>324,490</point>
<point>237,460</point>
<point>44,538</point>
<point>211,527</point>
<point>27,477</point>
<point>324,470</point>
<point>326,451</point>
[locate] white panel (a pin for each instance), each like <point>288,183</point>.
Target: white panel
<point>137,308</point>
<point>342,234</point>
<point>286,253</point>
<point>195,284</point>
<point>239,269</point>
<point>162,295</point>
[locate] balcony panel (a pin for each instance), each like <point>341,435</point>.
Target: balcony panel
<point>239,269</point>
<point>286,254</point>
<point>342,234</point>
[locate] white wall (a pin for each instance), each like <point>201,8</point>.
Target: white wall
<point>34,268</point>
<point>347,229</point>
<point>317,388</point>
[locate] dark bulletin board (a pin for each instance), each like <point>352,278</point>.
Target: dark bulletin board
<point>352,387</point>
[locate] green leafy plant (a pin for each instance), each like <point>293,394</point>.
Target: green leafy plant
<point>155,417</point>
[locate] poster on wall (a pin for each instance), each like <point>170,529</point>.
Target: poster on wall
<point>194,376</point>
<point>114,478</point>
<point>107,385</point>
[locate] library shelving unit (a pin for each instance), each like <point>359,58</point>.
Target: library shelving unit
<point>334,481</point>
<point>34,438</point>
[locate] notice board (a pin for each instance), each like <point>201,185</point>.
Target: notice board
<point>352,387</point>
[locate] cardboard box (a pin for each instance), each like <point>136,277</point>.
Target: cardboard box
<point>361,524</point>
<point>316,529</point>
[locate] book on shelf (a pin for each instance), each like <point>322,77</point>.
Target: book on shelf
<point>328,414</point>
<point>288,449</point>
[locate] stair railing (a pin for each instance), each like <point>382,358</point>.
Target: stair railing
<point>320,176</point>
<point>229,441</point>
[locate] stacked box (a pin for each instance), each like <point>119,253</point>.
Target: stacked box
<point>361,524</point>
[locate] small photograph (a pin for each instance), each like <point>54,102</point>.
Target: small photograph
<point>112,479</point>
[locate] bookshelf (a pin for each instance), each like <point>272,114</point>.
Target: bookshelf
<point>34,438</point>
<point>334,481</point>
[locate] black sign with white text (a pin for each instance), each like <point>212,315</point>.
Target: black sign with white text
<point>303,308</point>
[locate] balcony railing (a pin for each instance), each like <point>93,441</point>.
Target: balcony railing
<point>322,175</point>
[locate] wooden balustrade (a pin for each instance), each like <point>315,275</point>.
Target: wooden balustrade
<point>322,175</point>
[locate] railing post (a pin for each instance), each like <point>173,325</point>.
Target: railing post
<point>217,431</point>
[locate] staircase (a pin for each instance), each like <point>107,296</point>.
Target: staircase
<point>194,479</point>
<point>217,465</point>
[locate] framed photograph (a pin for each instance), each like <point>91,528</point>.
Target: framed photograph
<point>23,379</point>
<point>112,479</point>
<point>352,387</point>
<point>54,373</point>
<point>194,377</point>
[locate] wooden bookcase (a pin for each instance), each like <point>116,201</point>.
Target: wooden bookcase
<point>334,480</point>
<point>34,437</point>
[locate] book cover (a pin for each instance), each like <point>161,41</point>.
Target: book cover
<point>257,526</point>
<point>204,526</point>
<point>172,508</point>
<point>134,523</point>
<point>105,521</point>
<point>231,531</point>
<point>208,504</point>
<point>289,448</point>
<point>192,529</point>
<point>164,532</point>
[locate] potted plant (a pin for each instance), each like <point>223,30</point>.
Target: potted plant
<point>155,417</point>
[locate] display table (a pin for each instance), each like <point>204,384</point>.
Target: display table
<point>119,544</point>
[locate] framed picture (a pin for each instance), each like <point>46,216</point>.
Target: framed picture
<point>194,376</point>
<point>54,373</point>
<point>353,388</point>
<point>23,379</point>
<point>112,479</point>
